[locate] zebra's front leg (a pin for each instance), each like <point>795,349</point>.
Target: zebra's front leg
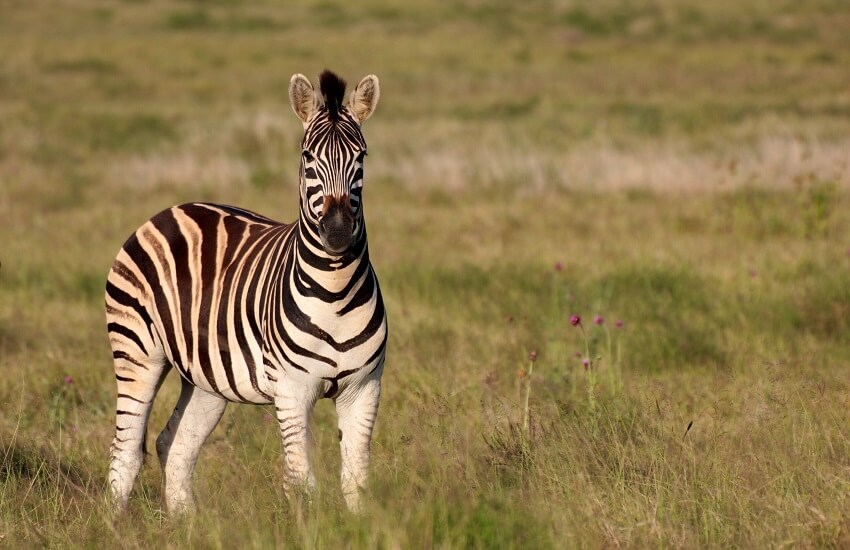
<point>294,407</point>
<point>357,409</point>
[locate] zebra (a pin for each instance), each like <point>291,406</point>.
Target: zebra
<point>250,310</point>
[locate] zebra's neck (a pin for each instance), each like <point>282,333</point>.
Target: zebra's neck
<point>321,271</point>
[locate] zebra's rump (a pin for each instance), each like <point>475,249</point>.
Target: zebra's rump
<point>186,283</point>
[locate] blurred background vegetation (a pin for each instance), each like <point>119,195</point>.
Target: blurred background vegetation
<point>684,164</point>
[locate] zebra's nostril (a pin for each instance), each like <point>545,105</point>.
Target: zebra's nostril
<point>322,227</point>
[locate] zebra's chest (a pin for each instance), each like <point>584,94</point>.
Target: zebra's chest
<point>324,341</point>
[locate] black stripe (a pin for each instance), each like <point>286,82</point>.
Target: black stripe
<point>178,247</point>
<point>118,354</point>
<point>378,353</point>
<point>146,265</point>
<point>307,286</point>
<point>361,297</point>
<point>129,334</point>
<point>374,324</point>
<point>207,221</point>
<point>131,398</point>
<point>252,217</point>
<point>289,343</point>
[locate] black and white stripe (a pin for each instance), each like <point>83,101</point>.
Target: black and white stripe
<point>250,310</point>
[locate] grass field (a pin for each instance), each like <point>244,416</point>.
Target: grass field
<point>681,166</point>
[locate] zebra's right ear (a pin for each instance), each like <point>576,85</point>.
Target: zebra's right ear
<point>302,97</point>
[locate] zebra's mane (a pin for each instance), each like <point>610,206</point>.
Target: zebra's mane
<point>333,92</point>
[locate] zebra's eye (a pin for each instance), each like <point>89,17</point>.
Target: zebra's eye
<point>308,156</point>
<point>361,156</point>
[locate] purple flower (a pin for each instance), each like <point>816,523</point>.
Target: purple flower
<point>585,362</point>
<point>618,323</point>
<point>598,320</point>
<point>532,356</point>
<point>69,379</point>
<point>575,320</point>
<point>559,266</point>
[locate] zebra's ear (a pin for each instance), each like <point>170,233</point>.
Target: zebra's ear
<point>364,98</point>
<point>302,97</point>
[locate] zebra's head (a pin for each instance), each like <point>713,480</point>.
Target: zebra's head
<point>332,155</point>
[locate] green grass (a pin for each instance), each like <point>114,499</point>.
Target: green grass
<point>685,163</point>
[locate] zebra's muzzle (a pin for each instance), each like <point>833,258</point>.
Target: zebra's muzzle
<point>336,226</point>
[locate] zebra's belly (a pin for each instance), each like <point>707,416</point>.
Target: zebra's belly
<point>225,367</point>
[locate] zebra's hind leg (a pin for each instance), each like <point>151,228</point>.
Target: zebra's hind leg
<point>138,379</point>
<point>196,415</point>
<point>357,409</point>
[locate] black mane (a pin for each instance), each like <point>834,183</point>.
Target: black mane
<point>333,90</point>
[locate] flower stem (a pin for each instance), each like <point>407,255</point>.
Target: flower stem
<point>591,374</point>
<point>527,395</point>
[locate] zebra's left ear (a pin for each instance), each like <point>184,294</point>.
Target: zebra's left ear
<point>302,97</point>
<point>364,98</point>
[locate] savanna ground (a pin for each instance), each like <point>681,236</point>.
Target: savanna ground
<point>684,164</point>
